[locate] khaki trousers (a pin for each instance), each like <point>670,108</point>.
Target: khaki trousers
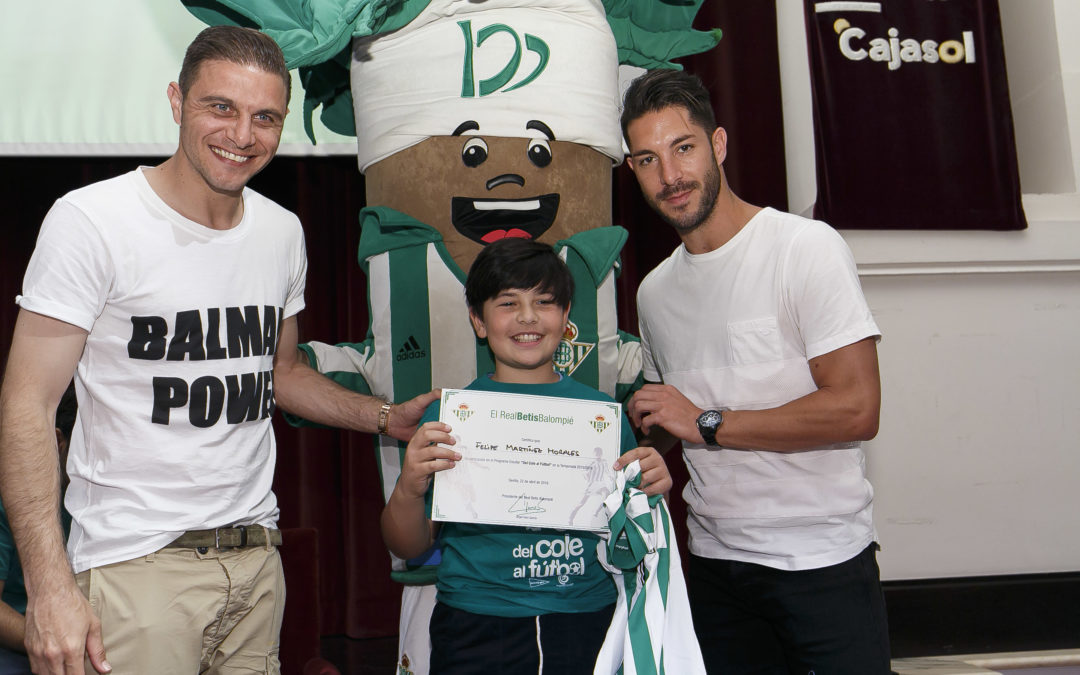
<point>187,611</point>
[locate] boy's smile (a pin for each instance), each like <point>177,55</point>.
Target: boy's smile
<point>523,329</point>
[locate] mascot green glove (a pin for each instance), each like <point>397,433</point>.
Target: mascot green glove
<point>475,120</point>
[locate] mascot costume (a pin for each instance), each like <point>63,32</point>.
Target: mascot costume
<point>475,120</point>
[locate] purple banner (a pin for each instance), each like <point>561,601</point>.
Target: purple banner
<point>913,128</point>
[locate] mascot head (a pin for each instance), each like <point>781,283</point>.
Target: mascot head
<point>483,119</point>
<point>491,119</point>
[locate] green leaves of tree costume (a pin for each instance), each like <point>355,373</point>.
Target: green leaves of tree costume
<point>315,37</point>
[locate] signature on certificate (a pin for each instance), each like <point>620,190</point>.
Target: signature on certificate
<point>522,505</point>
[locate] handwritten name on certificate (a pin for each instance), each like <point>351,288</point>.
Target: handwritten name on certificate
<point>533,461</point>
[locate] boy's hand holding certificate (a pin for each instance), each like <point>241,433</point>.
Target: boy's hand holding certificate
<point>534,461</point>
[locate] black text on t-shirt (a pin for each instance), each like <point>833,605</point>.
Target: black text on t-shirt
<point>245,331</point>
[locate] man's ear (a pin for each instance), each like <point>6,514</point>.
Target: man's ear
<point>719,145</point>
<point>176,100</point>
<point>477,325</point>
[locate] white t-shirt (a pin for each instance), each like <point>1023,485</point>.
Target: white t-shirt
<point>734,328</point>
<point>175,383</point>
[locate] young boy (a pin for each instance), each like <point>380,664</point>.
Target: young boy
<point>518,292</point>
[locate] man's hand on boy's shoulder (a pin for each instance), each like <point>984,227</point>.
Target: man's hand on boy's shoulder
<point>655,478</point>
<point>404,417</point>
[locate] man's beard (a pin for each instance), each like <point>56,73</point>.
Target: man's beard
<point>685,223</point>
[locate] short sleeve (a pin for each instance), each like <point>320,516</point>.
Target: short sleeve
<point>648,365</point>
<point>70,272</point>
<point>295,300</point>
<point>823,293</point>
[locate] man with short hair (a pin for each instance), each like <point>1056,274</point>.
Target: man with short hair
<point>171,292</point>
<point>762,357</point>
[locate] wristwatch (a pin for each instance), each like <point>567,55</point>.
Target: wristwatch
<point>707,424</point>
<point>384,417</point>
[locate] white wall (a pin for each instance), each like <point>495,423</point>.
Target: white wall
<point>82,77</point>
<point>976,463</point>
<point>1038,98</point>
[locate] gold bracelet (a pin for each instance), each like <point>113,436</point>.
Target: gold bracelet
<point>384,417</point>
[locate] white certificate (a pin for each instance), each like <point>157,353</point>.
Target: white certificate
<point>533,461</point>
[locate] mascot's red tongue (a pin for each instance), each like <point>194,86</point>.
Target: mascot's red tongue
<point>496,235</point>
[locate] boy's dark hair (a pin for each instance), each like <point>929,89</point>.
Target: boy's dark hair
<point>517,263</point>
<point>663,88</point>
<point>235,44</point>
<point>66,411</point>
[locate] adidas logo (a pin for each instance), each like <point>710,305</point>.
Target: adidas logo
<point>411,350</point>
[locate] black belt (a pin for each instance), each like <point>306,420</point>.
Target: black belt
<point>227,537</point>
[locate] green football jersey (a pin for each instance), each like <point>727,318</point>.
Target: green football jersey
<point>501,570</point>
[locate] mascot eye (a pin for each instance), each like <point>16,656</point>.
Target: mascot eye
<point>539,152</point>
<point>474,153</point>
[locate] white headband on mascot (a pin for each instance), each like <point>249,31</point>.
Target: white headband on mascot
<point>500,63</point>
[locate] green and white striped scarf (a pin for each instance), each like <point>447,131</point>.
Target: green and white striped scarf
<point>651,632</point>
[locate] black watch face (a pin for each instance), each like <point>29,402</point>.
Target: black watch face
<point>710,419</point>
<point>707,423</point>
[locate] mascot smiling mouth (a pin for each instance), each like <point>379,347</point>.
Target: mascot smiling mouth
<point>488,220</point>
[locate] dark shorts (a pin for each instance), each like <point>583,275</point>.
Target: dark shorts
<point>756,619</point>
<point>466,643</point>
